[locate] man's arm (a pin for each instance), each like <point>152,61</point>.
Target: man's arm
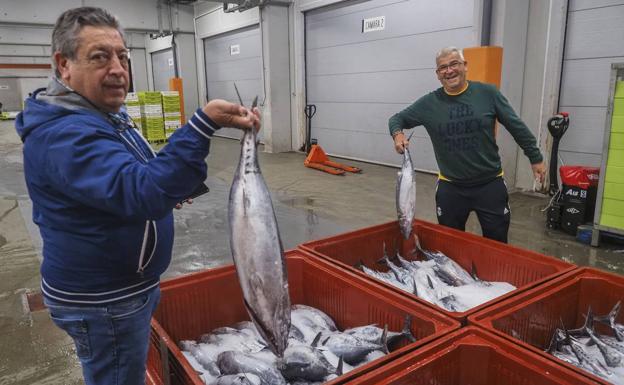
<point>521,134</point>
<point>88,163</point>
<point>408,118</point>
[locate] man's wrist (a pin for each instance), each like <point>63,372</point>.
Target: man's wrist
<point>395,133</point>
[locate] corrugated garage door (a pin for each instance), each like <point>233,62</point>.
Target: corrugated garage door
<point>234,57</point>
<point>357,79</point>
<point>594,40</point>
<point>162,69</point>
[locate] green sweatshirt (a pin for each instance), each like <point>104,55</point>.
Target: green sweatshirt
<point>461,128</point>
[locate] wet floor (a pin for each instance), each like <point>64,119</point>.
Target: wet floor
<point>308,204</point>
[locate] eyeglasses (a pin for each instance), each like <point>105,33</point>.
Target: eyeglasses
<point>452,66</point>
<point>102,59</point>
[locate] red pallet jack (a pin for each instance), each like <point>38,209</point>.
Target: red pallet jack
<point>317,158</point>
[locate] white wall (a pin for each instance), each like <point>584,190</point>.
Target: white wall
<point>25,34</point>
<point>140,15</point>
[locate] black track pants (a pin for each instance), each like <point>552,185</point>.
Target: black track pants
<point>489,201</point>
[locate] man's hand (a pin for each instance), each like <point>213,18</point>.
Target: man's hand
<point>539,171</point>
<point>179,206</point>
<point>227,114</point>
<point>400,142</point>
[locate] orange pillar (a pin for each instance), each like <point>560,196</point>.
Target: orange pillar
<point>175,84</point>
<point>485,64</point>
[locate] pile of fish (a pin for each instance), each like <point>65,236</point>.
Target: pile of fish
<point>599,354</point>
<point>317,351</point>
<point>438,280</point>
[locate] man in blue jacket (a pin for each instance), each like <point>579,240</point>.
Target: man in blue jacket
<point>102,199</point>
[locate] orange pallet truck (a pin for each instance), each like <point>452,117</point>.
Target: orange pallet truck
<point>317,158</point>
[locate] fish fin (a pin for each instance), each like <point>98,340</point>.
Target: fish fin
<point>415,291</point>
<point>568,340</point>
<point>612,314</point>
<point>256,320</point>
<point>385,251</point>
<point>410,137</point>
<point>384,339</point>
<point>414,251</point>
<point>316,339</point>
<point>473,271</point>
<point>325,340</point>
<point>359,265</point>
<point>429,281</point>
<point>420,249</point>
<point>589,319</point>
<point>407,328</point>
<point>340,368</point>
<point>610,318</point>
<point>553,346</point>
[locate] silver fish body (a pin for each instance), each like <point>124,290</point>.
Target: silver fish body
<point>257,249</point>
<point>239,379</point>
<point>232,362</point>
<point>406,195</point>
<point>351,348</point>
<point>302,362</point>
<point>315,315</point>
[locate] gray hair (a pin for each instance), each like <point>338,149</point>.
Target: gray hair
<point>449,50</point>
<point>70,23</point>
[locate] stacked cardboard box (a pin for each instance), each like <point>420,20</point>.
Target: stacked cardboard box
<point>152,122</point>
<point>171,111</point>
<point>133,108</point>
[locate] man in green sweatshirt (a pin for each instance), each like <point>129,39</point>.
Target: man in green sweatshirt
<point>460,118</point>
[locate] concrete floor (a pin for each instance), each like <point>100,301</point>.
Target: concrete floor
<point>309,205</point>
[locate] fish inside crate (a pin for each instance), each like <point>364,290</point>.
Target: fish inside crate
<point>555,321</point>
<point>451,272</point>
<point>471,356</point>
<point>211,301</point>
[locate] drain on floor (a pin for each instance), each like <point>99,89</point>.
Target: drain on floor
<point>33,302</point>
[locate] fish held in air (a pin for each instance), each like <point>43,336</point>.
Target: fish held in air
<point>406,193</point>
<point>257,248</point>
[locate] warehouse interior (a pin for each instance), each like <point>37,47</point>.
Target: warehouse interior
<point>555,56</point>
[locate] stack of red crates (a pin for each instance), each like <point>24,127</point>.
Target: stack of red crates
<point>504,346</point>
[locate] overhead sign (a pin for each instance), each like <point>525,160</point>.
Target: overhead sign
<point>234,49</point>
<point>374,24</point>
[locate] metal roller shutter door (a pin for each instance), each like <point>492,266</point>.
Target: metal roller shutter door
<point>594,40</point>
<point>234,57</point>
<point>358,80</point>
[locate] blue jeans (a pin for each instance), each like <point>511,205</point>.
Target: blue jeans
<point>111,340</point>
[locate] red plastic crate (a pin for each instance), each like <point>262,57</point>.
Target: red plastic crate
<point>471,356</point>
<point>494,261</point>
<point>531,318</point>
<point>199,302</point>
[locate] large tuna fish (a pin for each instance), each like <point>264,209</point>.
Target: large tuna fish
<point>406,194</point>
<point>257,249</point>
